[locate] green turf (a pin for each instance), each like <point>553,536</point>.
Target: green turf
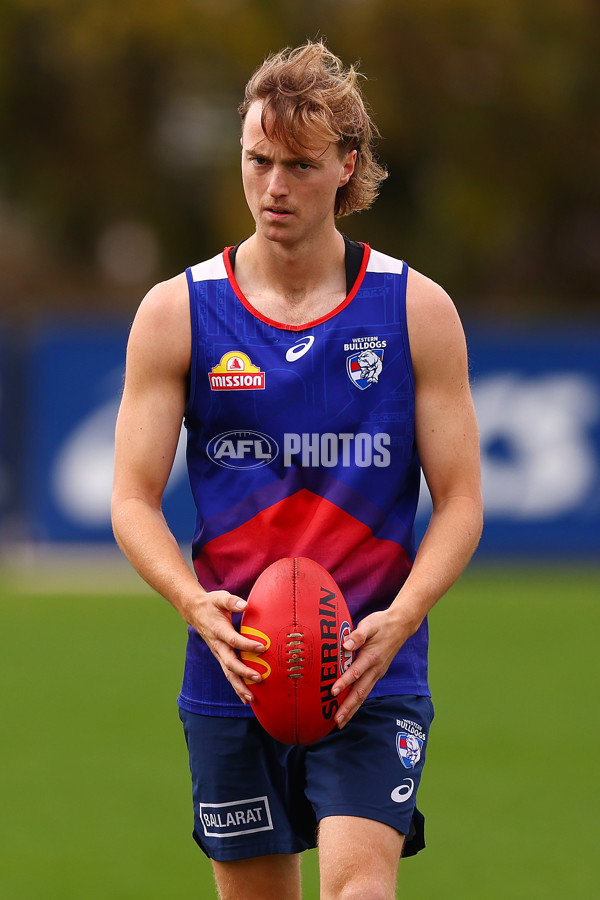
<point>94,786</point>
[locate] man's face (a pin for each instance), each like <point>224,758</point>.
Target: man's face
<point>290,196</point>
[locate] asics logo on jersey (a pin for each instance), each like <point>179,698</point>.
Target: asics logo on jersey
<point>300,348</point>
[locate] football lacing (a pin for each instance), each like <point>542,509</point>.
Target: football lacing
<point>295,662</point>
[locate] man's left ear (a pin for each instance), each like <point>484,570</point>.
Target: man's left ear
<point>349,166</point>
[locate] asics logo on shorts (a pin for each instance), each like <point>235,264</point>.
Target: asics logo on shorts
<point>405,790</point>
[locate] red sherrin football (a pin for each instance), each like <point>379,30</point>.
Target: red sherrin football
<point>297,610</point>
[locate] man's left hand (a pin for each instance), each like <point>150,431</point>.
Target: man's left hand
<point>378,638</point>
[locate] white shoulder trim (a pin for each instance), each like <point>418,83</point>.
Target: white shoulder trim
<point>380,262</point>
<point>209,270</point>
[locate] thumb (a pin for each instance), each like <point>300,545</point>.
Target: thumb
<point>230,602</point>
<point>237,604</point>
<point>356,638</point>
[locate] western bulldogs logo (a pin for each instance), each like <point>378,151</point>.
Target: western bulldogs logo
<point>364,368</point>
<point>409,749</point>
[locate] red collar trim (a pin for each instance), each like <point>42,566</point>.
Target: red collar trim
<point>304,326</point>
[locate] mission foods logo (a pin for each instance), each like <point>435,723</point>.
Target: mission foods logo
<point>236,372</point>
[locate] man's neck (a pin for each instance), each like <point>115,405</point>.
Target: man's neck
<point>292,284</point>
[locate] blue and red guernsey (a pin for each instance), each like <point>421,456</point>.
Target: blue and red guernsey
<point>301,442</point>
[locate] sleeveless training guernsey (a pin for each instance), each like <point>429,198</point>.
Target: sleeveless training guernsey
<point>301,443</point>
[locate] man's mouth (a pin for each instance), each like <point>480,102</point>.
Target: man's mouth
<point>277,211</point>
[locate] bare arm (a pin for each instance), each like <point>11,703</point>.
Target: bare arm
<point>448,444</point>
<point>148,427</point>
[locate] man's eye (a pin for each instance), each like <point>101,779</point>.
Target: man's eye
<point>304,167</point>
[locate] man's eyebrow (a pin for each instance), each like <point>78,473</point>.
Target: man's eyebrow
<point>293,158</point>
<point>255,151</point>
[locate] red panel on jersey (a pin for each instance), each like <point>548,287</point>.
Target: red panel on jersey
<point>306,524</point>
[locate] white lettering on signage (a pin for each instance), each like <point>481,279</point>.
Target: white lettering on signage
<point>538,459</point>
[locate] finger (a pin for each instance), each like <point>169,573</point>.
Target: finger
<point>356,696</point>
<point>230,602</point>
<point>357,638</point>
<point>352,674</point>
<point>241,688</point>
<point>229,634</point>
<point>234,668</point>
<point>223,630</point>
<point>234,639</point>
<point>223,634</point>
<point>229,664</point>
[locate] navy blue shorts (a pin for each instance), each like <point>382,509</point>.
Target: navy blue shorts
<point>254,796</point>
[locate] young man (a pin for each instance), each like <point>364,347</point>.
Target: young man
<point>316,377</point>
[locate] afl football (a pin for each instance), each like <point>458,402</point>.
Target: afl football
<point>298,612</point>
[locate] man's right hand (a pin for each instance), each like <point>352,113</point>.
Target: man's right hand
<point>211,616</point>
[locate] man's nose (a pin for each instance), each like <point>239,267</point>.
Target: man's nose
<point>278,182</point>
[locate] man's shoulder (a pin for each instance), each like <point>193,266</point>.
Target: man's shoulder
<point>426,293</point>
<point>434,326</point>
<point>212,269</point>
<point>382,263</point>
<point>420,288</point>
<point>171,297</point>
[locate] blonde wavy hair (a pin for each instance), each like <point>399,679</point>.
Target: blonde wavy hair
<point>309,97</point>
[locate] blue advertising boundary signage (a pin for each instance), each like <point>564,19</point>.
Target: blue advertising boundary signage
<point>537,397</point>
<point>75,382</point>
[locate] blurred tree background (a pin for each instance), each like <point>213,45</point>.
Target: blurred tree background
<point>119,154</point>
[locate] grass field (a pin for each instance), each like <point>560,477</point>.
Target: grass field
<point>94,786</point>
